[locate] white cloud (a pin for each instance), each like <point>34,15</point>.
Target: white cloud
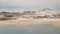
<point>24,3</point>
<point>29,3</point>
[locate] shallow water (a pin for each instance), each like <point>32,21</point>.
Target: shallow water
<point>29,29</point>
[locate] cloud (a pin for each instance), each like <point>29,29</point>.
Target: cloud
<point>29,4</point>
<point>56,4</point>
<point>24,3</point>
<point>17,3</point>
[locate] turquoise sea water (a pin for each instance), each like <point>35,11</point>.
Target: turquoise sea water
<point>14,9</point>
<point>29,29</point>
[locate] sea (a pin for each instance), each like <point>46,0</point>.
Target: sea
<point>29,29</point>
<point>17,9</point>
<point>14,9</point>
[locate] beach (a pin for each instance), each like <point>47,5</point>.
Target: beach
<point>53,21</point>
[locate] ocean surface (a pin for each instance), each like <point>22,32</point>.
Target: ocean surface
<point>20,9</point>
<point>29,29</point>
<point>17,9</point>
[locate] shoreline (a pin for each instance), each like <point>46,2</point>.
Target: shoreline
<point>55,22</point>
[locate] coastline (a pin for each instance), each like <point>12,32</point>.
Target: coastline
<point>55,22</point>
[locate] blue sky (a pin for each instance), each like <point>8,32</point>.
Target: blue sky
<point>29,4</point>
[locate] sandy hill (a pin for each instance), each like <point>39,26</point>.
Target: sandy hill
<point>43,13</point>
<point>47,11</point>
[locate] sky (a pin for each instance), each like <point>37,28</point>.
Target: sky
<point>22,5</point>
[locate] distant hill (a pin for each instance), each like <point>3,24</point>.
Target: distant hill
<point>43,13</point>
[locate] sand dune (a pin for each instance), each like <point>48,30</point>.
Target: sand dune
<point>45,16</point>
